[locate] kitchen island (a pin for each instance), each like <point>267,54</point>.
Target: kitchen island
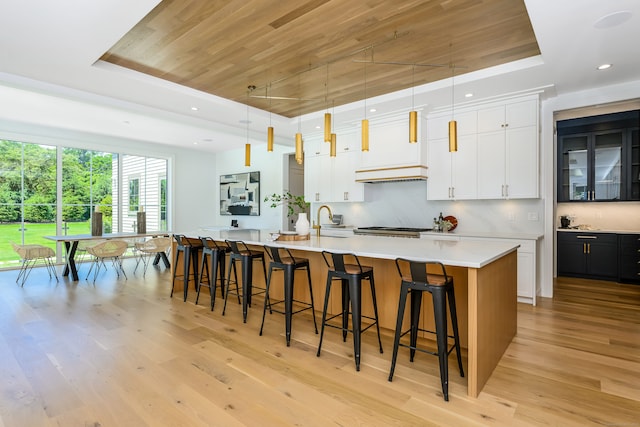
<point>485,275</point>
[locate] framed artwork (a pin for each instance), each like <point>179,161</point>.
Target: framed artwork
<point>240,194</point>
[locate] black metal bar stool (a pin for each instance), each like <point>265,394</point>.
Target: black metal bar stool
<point>416,280</point>
<point>217,254</point>
<point>347,268</point>
<point>288,264</point>
<point>241,252</point>
<point>190,253</point>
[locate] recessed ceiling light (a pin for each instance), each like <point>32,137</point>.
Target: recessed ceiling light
<point>194,108</point>
<point>468,95</point>
<point>317,126</point>
<point>373,110</point>
<point>613,19</point>
<point>195,143</point>
<point>604,66</point>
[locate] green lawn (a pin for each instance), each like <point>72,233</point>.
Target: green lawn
<point>34,234</point>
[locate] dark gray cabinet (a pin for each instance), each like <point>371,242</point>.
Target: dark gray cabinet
<point>629,259</point>
<point>588,255</point>
<point>599,158</point>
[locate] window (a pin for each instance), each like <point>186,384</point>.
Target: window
<point>134,194</point>
<point>30,208</point>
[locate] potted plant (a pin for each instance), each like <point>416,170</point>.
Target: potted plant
<point>295,204</point>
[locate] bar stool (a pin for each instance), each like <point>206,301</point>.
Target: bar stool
<point>347,268</point>
<point>288,264</point>
<point>217,253</point>
<point>416,280</point>
<point>241,252</point>
<point>190,252</point>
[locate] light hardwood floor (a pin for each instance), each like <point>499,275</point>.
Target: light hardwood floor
<point>122,353</point>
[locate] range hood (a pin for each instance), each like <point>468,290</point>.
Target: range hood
<point>392,174</point>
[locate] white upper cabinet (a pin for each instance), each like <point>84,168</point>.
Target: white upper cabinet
<point>332,179</point>
<point>497,155</point>
<point>452,176</point>
<point>508,150</point>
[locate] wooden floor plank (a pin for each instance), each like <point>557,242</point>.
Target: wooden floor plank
<point>122,352</point>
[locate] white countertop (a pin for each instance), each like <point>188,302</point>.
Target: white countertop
<point>460,253</point>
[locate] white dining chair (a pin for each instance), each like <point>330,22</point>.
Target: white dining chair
<point>148,248</point>
<point>30,255</point>
<point>107,250</point>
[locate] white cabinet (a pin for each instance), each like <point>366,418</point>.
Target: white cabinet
<point>452,176</point>
<point>345,187</point>
<point>508,150</point>
<point>497,155</point>
<point>527,267</point>
<point>332,179</point>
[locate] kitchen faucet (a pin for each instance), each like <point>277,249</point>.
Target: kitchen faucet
<point>317,226</point>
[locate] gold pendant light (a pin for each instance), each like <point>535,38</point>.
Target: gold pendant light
<point>299,148</point>
<point>365,135</point>
<point>365,121</point>
<point>413,115</point>
<point>413,127</point>
<point>453,125</point>
<point>332,147</point>
<point>270,128</point>
<point>327,127</point>
<point>453,136</point>
<point>327,115</point>
<point>270,139</point>
<point>247,146</point>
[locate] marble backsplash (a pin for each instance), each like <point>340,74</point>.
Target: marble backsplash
<point>405,204</point>
<point>616,216</point>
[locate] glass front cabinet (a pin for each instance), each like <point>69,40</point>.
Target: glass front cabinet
<point>599,158</point>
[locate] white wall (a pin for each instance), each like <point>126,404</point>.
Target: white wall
<point>271,167</point>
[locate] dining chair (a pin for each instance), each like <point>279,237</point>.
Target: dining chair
<point>30,255</point>
<point>107,250</point>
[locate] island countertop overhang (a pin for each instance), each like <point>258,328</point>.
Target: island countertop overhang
<point>472,254</point>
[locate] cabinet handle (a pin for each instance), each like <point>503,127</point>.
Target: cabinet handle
<point>453,192</point>
<point>317,197</point>
<point>506,190</point>
<point>584,248</point>
<point>346,148</point>
<point>586,237</point>
<point>345,195</point>
<point>588,248</point>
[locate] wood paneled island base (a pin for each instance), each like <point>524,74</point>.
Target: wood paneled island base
<point>485,291</point>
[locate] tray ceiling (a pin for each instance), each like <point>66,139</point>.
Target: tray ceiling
<point>307,57</point>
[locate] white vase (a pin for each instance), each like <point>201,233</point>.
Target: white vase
<point>302,224</point>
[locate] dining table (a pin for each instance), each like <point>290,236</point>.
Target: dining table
<point>71,242</point>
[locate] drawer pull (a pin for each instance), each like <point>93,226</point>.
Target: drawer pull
<point>587,237</point>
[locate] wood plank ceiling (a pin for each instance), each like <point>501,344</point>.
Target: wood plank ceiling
<point>317,53</point>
